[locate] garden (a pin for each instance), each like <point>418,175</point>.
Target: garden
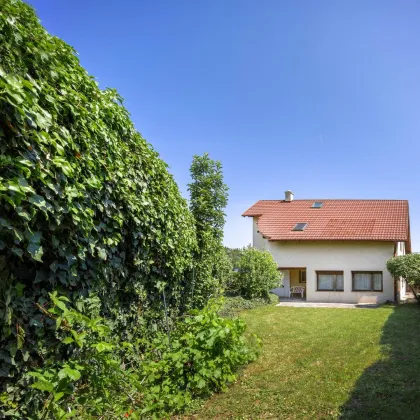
<point>112,284</point>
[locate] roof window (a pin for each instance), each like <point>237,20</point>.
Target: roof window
<point>300,226</point>
<point>317,205</point>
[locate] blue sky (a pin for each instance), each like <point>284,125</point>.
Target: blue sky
<point>320,97</point>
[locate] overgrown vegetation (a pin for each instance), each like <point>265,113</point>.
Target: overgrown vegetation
<point>101,260</point>
<point>102,376</point>
<point>257,273</point>
<point>408,267</point>
<point>233,305</point>
<point>208,200</point>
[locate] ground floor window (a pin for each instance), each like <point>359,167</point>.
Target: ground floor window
<point>330,281</point>
<point>367,281</point>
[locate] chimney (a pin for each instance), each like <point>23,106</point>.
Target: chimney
<point>288,196</point>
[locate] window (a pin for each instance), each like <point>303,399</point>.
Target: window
<point>300,226</point>
<point>367,281</point>
<point>302,276</point>
<point>332,281</point>
<point>317,205</point>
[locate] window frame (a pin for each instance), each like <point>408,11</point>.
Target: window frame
<point>302,276</point>
<point>305,225</point>
<point>331,272</point>
<point>371,280</point>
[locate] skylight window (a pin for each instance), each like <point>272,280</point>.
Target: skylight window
<point>300,226</point>
<point>317,205</point>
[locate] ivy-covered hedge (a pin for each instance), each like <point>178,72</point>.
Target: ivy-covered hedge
<point>86,204</point>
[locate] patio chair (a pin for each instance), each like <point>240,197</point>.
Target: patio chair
<point>297,289</point>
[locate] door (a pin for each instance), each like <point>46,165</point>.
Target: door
<point>283,291</point>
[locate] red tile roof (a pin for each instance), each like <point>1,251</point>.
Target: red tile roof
<point>358,220</point>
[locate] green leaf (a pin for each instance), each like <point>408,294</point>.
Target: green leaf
<point>58,396</point>
<point>36,237</point>
<point>201,383</point>
<point>22,213</point>
<point>60,304</point>
<point>43,386</point>
<point>19,289</point>
<point>73,374</point>
<point>58,322</point>
<point>20,337</point>
<point>17,251</point>
<point>36,251</point>
<point>40,202</point>
<point>68,340</point>
<point>103,346</point>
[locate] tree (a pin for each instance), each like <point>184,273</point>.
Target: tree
<point>235,255</point>
<point>208,199</point>
<point>408,267</point>
<point>257,274</point>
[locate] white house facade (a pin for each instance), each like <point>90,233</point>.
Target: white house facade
<point>343,259</point>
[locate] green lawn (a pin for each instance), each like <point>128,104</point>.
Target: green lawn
<point>328,363</point>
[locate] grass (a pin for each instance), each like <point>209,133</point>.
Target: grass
<point>320,363</point>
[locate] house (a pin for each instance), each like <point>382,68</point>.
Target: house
<point>336,250</point>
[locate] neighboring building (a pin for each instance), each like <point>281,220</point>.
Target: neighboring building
<point>336,249</point>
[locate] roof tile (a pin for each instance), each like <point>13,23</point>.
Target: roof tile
<point>364,220</point>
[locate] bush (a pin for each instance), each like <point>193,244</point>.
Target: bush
<point>200,356</point>
<point>86,204</point>
<point>234,305</point>
<point>408,267</point>
<point>203,357</point>
<point>257,274</point>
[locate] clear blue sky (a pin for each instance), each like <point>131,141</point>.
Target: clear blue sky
<point>320,97</point>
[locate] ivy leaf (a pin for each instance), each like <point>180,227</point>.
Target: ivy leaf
<point>36,251</point>
<point>19,289</point>
<point>22,213</point>
<point>17,251</point>
<point>40,202</point>
<point>36,238</point>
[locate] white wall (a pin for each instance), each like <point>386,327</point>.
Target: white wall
<point>346,256</point>
<point>402,283</point>
<point>257,240</point>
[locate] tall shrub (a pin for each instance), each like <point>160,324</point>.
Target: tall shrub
<point>408,267</point>
<point>209,195</point>
<point>257,274</point>
<point>86,204</point>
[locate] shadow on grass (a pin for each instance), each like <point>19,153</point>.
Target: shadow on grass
<point>390,388</point>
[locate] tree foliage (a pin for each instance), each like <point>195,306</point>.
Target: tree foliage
<point>208,199</point>
<point>234,255</point>
<point>257,274</point>
<point>408,267</point>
